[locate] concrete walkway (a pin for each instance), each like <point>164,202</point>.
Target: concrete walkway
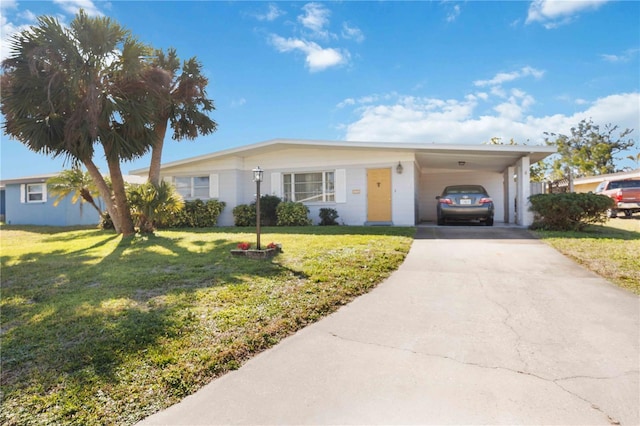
<point>478,326</point>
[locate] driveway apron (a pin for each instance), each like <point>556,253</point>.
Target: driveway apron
<point>479,325</point>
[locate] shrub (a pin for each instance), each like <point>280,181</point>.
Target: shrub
<point>328,216</point>
<point>244,215</point>
<point>568,212</point>
<point>197,214</point>
<point>293,214</point>
<point>151,205</point>
<point>268,209</point>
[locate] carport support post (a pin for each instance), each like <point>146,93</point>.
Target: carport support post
<point>524,216</point>
<point>510,195</point>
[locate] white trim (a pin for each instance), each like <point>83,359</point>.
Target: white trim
<point>214,186</point>
<point>340,186</point>
<point>276,184</point>
<point>535,152</point>
<point>23,193</point>
<point>27,193</point>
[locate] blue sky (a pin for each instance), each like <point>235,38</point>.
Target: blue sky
<point>434,71</point>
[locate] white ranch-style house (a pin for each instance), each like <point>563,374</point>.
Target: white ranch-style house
<point>379,183</point>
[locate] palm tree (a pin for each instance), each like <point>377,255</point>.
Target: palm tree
<point>635,158</point>
<point>152,204</point>
<point>74,183</point>
<point>181,102</point>
<point>64,90</point>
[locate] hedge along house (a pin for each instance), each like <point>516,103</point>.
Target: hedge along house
<point>368,183</point>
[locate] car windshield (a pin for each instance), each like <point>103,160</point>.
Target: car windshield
<point>469,189</point>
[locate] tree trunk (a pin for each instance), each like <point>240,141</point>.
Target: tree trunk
<point>105,193</point>
<point>122,206</point>
<point>156,153</point>
<point>86,195</point>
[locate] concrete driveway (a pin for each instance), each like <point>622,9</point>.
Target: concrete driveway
<point>478,326</point>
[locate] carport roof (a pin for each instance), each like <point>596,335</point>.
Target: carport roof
<point>428,155</point>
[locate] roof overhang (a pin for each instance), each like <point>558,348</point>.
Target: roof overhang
<point>430,156</point>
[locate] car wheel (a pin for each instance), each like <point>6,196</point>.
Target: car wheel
<point>489,222</point>
<point>628,213</point>
<point>612,213</point>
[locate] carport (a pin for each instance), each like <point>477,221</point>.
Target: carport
<point>502,169</point>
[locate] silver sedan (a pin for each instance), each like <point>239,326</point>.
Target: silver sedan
<point>465,202</point>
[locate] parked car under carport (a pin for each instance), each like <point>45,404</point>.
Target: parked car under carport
<point>465,203</point>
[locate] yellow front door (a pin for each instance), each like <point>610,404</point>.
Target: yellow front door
<point>379,195</point>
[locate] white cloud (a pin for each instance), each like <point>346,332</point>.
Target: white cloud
<point>8,4</point>
<point>236,103</point>
<point>74,6</point>
<point>505,77</point>
<point>553,13</point>
<point>23,19</point>
<point>313,24</point>
<point>346,102</point>
<point>352,33</point>
<point>28,16</point>
<point>317,58</point>
<point>454,13</point>
<point>272,13</point>
<point>315,18</point>
<point>8,29</point>
<point>625,56</point>
<point>411,119</point>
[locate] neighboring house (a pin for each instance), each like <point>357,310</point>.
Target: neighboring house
<point>590,183</point>
<point>27,201</point>
<point>2,203</point>
<point>366,182</point>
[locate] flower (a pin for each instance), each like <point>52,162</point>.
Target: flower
<point>271,246</point>
<point>244,246</point>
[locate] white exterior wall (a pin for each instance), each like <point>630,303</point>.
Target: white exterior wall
<point>403,208</point>
<point>236,186</point>
<point>432,182</point>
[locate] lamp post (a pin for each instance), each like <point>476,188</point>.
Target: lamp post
<point>257,177</point>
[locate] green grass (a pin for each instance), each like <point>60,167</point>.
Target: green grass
<point>612,250</point>
<point>100,330</point>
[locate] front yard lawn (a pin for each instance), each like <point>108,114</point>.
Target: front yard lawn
<point>612,250</point>
<point>100,330</point>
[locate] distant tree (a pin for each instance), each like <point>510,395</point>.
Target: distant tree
<point>635,158</point>
<point>65,90</point>
<point>588,151</point>
<point>498,141</point>
<point>74,183</point>
<point>537,172</point>
<point>180,101</point>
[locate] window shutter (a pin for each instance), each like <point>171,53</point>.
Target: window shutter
<point>214,186</point>
<point>276,184</point>
<point>44,192</point>
<point>23,193</point>
<point>168,179</point>
<point>340,185</point>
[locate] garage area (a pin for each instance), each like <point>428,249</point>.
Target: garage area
<point>503,170</point>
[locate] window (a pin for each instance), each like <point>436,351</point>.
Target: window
<point>192,187</point>
<point>35,193</point>
<point>309,187</point>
